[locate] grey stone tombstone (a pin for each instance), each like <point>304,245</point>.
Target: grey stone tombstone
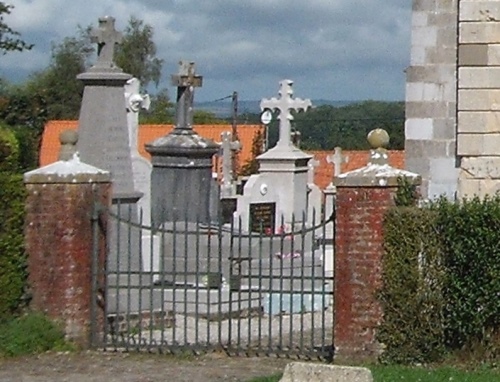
<point>104,140</point>
<point>228,146</point>
<point>182,161</point>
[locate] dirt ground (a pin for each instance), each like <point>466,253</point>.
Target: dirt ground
<point>132,367</point>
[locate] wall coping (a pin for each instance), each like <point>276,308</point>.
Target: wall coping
<point>71,171</point>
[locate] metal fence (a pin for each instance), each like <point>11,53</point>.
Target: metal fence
<point>198,287</point>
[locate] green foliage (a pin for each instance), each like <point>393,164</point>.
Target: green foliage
<point>470,232</point>
<point>441,281</point>
<point>252,166</point>
<point>9,38</point>
<point>202,117</point>
<point>161,110</point>
<point>58,84</point>
<point>136,54</point>
<point>411,297</point>
<point>325,127</point>
<point>9,150</point>
<point>406,194</point>
<point>30,334</point>
<point>13,273</point>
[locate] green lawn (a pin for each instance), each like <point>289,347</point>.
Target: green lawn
<point>417,374</point>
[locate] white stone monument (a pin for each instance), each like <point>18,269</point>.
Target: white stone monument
<point>141,167</point>
<point>278,194</point>
<point>141,173</point>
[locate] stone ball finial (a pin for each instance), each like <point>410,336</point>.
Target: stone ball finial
<point>378,138</point>
<point>68,139</point>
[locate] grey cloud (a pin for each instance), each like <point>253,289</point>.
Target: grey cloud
<point>335,48</point>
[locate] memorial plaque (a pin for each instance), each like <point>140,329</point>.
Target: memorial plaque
<point>262,216</point>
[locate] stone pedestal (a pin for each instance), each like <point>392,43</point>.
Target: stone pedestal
<point>59,241</point>
<point>181,177</point>
<point>363,197</point>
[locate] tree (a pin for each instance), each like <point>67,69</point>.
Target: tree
<point>58,83</point>
<point>136,54</point>
<point>161,110</point>
<point>9,40</point>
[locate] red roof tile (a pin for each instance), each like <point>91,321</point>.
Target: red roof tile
<point>323,173</point>
<point>50,146</point>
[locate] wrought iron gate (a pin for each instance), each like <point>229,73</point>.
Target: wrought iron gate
<point>198,287</point>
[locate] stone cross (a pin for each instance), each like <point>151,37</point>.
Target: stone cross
<point>228,146</point>
<point>186,81</point>
<point>311,165</point>
<point>135,101</point>
<point>337,159</point>
<point>106,36</point>
<point>284,105</point>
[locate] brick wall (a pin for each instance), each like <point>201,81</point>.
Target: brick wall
<point>358,254</point>
<point>59,245</point>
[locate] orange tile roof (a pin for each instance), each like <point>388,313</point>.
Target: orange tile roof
<point>323,173</point>
<point>49,150</point>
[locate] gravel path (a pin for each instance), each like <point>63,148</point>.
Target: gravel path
<point>131,367</point>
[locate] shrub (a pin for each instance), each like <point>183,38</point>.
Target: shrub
<point>13,272</point>
<point>470,232</point>
<point>411,297</point>
<point>441,280</point>
<point>9,150</point>
<point>30,334</point>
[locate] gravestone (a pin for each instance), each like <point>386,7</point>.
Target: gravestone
<point>141,172</point>
<point>182,161</point>
<point>314,195</point>
<point>337,159</point>
<point>228,147</point>
<point>104,140</point>
<point>141,167</point>
<point>282,177</point>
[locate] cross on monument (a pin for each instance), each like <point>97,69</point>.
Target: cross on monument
<point>106,36</point>
<point>284,105</point>
<point>337,159</point>
<point>186,80</point>
<point>228,146</point>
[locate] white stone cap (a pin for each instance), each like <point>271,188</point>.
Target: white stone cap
<point>71,171</point>
<point>378,172</point>
<point>377,175</point>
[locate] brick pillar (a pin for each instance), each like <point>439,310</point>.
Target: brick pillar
<point>59,242</point>
<point>363,197</point>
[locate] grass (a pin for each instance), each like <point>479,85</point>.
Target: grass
<point>30,334</point>
<point>417,374</point>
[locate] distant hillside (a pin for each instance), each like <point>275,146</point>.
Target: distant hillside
<point>224,109</point>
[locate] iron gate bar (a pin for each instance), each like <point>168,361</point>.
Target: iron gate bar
<point>140,335</point>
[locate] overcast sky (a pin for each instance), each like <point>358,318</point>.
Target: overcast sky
<point>331,49</point>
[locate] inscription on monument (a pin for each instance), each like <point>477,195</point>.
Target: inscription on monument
<point>262,216</point>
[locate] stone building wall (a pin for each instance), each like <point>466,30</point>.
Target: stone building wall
<point>431,97</point>
<point>478,132</point>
